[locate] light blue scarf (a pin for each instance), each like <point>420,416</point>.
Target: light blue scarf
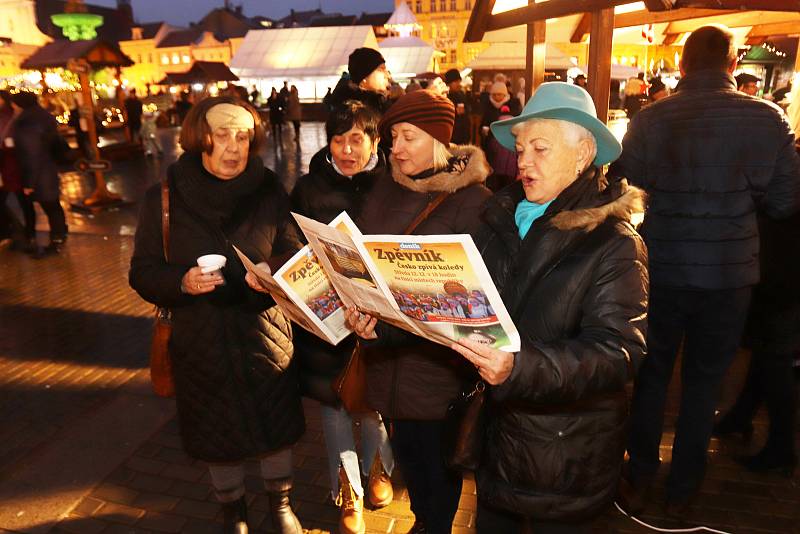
<point>526,213</point>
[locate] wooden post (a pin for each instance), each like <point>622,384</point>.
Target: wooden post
<point>535,53</point>
<point>121,102</point>
<point>599,82</point>
<point>101,194</point>
<point>797,58</point>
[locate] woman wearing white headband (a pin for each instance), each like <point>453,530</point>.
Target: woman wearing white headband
<point>231,348</point>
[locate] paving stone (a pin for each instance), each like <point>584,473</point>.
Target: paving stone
<point>188,473</point>
<point>196,509</point>
<point>82,525</point>
<point>87,507</point>
<point>187,489</point>
<point>119,513</point>
<point>146,465</point>
<point>164,522</point>
<point>113,493</point>
<point>155,502</point>
<point>150,483</point>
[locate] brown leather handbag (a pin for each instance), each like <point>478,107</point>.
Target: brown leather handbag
<point>160,362</point>
<point>465,429</point>
<point>351,384</point>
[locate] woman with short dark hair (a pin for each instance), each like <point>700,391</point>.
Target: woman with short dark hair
<point>231,347</point>
<point>340,175</point>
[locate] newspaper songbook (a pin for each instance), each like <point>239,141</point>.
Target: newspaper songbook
<point>436,287</point>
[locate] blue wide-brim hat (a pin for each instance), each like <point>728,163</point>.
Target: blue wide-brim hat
<point>566,102</point>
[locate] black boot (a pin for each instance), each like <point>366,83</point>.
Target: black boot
<point>283,518</point>
<point>235,516</point>
<point>769,461</point>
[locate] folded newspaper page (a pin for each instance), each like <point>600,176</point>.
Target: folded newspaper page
<point>436,287</point>
<point>302,290</point>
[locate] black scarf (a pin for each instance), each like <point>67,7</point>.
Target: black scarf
<point>212,198</point>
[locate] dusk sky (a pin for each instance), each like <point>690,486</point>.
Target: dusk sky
<point>182,12</point>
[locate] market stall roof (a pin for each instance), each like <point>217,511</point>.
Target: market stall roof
<point>511,55</point>
<point>408,56</point>
<point>201,72</point>
<point>299,52</point>
<point>98,53</point>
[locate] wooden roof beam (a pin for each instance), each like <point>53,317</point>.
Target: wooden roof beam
<point>749,5</point>
<point>638,18</point>
<point>548,10</point>
<point>582,29</point>
<point>776,28</point>
<point>478,21</point>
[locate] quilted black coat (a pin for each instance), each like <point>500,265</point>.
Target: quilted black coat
<point>409,377</point>
<point>576,288</point>
<point>322,194</point>
<point>236,390</point>
<point>709,157</point>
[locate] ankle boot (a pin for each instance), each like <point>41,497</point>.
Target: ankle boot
<point>351,519</point>
<point>379,486</point>
<point>235,516</point>
<point>283,518</point>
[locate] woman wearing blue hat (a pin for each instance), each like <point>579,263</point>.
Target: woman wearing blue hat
<point>572,271</point>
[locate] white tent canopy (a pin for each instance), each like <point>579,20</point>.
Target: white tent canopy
<point>507,55</point>
<point>407,56</point>
<point>299,52</point>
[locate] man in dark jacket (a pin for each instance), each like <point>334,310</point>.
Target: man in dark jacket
<point>35,136</point>
<point>369,80</point>
<point>134,110</point>
<point>707,176</point>
<point>461,129</point>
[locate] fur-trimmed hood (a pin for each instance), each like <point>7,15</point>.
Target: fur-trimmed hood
<point>625,201</point>
<point>474,171</point>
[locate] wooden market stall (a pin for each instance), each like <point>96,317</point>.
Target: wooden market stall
<point>596,19</point>
<point>81,57</point>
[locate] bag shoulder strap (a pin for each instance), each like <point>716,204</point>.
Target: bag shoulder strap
<point>165,218</point>
<point>432,205</point>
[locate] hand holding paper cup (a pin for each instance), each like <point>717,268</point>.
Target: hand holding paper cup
<point>212,263</point>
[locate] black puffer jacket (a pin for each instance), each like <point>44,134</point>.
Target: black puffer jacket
<point>35,133</point>
<point>347,90</point>
<point>576,288</point>
<point>322,194</point>
<point>407,376</point>
<point>236,392</point>
<point>709,157</point>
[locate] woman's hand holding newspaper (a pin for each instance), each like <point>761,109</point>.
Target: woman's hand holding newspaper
<point>361,323</point>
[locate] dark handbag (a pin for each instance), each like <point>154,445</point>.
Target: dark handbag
<point>351,384</point>
<point>160,361</point>
<point>464,429</point>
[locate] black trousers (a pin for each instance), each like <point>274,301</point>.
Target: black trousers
<point>56,219</point>
<point>492,521</point>
<point>770,379</point>
<point>8,223</point>
<point>710,324</point>
<point>434,490</point>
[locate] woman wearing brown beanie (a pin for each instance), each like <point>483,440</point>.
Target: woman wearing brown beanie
<point>411,381</point>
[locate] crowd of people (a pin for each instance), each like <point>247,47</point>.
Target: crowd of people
<point>547,192</point>
<point>598,302</point>
<point>325,304</point>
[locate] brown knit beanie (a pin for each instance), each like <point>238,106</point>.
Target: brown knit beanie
<point>430,112</point>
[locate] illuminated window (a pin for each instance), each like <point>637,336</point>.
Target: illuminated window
<point>176,59</point>
<point>442,5</point>
<point>419,6</point>
<point>453,5</point>
<point>149,57</point>
<point>468,4</point>
<point>138,58</point>
<point>186,58</point>
<point>164,59</point>
<point>433,6</point>
<point>453,55</point>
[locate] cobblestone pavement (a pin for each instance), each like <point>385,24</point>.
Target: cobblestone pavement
<point>86,448</point>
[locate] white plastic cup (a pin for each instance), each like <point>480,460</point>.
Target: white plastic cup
<point>212,263</point>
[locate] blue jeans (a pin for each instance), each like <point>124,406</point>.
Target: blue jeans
<point>337,426</point>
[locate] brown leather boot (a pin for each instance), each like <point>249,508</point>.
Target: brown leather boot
<point>283,518</point>
<point>379,487</point>
<point>351,520</point>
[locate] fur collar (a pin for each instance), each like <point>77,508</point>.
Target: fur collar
<point>624,201</point>
<point>475,172</point>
